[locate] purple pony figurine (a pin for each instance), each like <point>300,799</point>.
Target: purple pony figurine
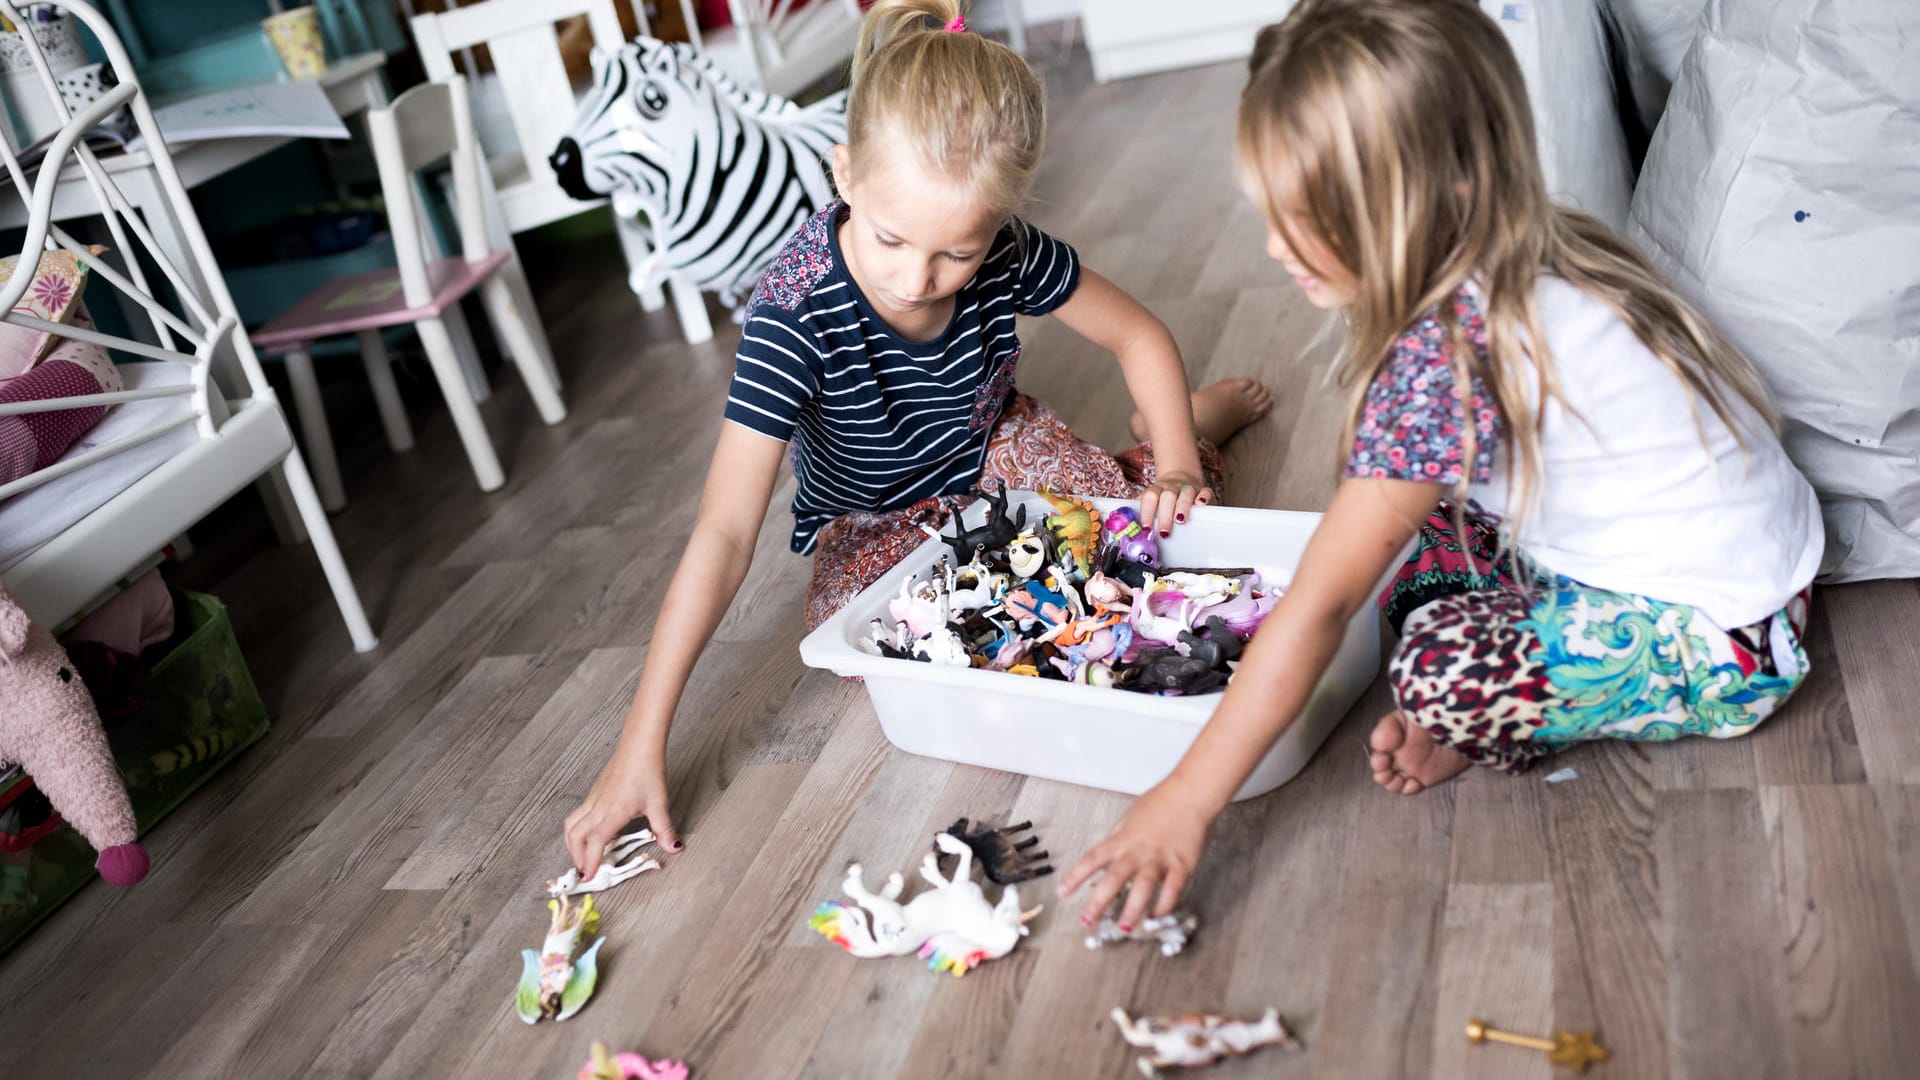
<point>1133,541</point>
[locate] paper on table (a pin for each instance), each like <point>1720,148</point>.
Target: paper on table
<point>292,110</point>
<point>297,110</point>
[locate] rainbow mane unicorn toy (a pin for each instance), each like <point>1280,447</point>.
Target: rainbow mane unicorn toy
<point>951,926</point>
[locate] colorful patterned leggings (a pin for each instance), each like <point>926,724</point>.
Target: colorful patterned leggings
<point>1507,672</point>
<point>1030,447</point>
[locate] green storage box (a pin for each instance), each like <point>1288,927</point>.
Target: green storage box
<point>201,710</point>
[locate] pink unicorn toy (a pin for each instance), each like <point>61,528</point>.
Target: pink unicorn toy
<point>49,727</point>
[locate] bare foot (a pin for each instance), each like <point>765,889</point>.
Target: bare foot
<point>1405,758</point>
<point>1221,409</point>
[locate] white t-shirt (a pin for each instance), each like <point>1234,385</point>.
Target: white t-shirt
<point>1632,499</point>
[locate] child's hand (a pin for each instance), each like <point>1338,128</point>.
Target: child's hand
<point>1170,499</point>
<point>1156,844</point>
<point>623,792</point>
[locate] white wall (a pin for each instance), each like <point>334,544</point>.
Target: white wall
<point>992,14</point>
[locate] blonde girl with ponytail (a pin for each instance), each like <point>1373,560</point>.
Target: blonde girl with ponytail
<point>1608,541</point>
<point>878,355</point>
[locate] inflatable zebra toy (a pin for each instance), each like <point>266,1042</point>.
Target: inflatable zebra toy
<point>724,174</point>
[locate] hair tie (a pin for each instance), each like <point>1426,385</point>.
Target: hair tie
<point>957,25</point>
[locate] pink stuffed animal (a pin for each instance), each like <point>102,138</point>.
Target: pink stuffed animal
<point>48,725</point>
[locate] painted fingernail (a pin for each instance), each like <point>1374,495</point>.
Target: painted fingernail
<point>1165,533</point>
<point>678,845</point>
<point>1126,929</point>
<point>1086,920</point>
<point>1180,519</point>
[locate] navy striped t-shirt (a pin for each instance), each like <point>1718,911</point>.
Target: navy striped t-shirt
<point>878,422</point>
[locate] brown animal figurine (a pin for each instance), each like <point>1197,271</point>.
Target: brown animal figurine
<point>1198,1039</point>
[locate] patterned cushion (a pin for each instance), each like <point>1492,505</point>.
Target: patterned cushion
<point>53,296</point>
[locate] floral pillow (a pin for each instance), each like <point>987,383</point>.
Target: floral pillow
<point>57,284</point>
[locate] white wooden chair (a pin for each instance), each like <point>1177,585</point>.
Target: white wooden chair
<point>777,48</point>
<point>422,127</point>
<point>520,36</point>
<point>233,442</point>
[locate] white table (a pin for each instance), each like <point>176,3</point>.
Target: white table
<point>353,86</point>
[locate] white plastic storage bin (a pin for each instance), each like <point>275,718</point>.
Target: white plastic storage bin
<point>1097,736</point>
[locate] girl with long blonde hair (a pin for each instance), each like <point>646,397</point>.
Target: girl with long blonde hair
<point>878,354</point>
<point>1608,541</point>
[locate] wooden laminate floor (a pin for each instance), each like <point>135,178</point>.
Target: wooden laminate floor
<point>350,897</point>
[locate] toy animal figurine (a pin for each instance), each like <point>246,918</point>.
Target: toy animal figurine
<point>1011,655</point>
<point>50,728</point>
<point>943,646</point>
<point>1108,594</point>
<point>1171,931</point>
<point>553,983</point>
<point>1165,629</point>
<point>1202,590</point>
<point>1199,1038</point>
<point>1246,610</point>
<point>622,860</point>
<point>1027,553</point>
<point>1158,670</point>
<point>1216,644</point>
<point>974,586</point>
<point>604,1065</point>
<point>921,605</point>
<point>1132,541</point>
<point>1003,859</point>
<point>997,531</point>
<point>1076,531</point>
<point>951,926</point>
<point>896,643</point>
<point>722,172</point>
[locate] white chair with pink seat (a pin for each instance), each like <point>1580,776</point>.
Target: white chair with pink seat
<point>423,126</point>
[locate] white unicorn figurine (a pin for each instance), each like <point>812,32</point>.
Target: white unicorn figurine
<point>952,926</point>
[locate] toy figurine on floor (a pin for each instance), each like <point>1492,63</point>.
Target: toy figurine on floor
<point>1003,859</point>
<point>951,925</point>
<point>623,859</point>
<point>1199,1038</point>
<point>553,984</point>
<point>628,1066</point>
<point>1171,931</point>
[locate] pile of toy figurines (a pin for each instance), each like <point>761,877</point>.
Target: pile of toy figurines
<point>1077,598</point>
